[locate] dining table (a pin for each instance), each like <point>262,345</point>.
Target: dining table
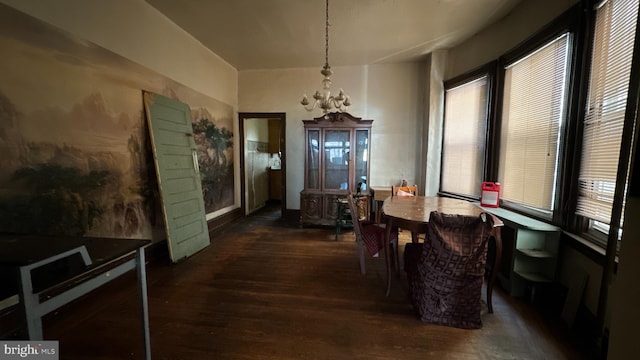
<point>412,213</point>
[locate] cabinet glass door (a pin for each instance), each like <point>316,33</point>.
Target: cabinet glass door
<point>336,159</point>
<point>313,159</point>
<point>362,157</point>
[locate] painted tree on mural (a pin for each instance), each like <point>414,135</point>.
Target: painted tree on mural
<point>215,166</point>
<point>52,199</point>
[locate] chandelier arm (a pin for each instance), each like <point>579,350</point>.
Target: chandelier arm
<point>339,104</point>
<point>311,106</point>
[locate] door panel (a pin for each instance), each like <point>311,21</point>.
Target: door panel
<point>336,159</point>
<point>178,175</point>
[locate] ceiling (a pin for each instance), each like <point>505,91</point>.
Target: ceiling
<point>270,34</point>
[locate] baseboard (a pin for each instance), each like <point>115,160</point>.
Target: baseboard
<point>291,217</point>
<point>222,220</point>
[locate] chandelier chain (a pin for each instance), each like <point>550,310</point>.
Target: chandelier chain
<point>326,36</point>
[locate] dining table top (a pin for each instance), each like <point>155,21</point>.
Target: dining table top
<point>418,208</point>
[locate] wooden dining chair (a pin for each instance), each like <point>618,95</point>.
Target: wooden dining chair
<point>404,190</point>
<point>370,236</point>
<point>407,191</point>
<point>446,272</point>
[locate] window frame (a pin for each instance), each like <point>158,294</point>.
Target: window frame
<point>575,223</point>
<point>489,70</point>
<point>630,128</point>
<point>579,22</point>
<point>569,22</point>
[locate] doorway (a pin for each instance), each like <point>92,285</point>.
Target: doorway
<point>262,161</point>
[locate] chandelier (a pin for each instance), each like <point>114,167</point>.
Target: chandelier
<point>324,99</point>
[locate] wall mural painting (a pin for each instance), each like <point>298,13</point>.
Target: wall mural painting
<point>214,141</point>
<point>76,156</point>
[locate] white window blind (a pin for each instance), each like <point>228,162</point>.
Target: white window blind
<point>532,115</point>
<point>607,99</point>
<point>463,147</point>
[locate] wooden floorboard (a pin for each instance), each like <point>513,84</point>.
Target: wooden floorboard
<point>267,290</point>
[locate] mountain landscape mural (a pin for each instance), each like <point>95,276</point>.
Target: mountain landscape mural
<point>76,157</point>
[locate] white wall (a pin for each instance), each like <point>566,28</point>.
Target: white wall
<point>497,39</point>
<point>137,31</point>
<point>389,94</point>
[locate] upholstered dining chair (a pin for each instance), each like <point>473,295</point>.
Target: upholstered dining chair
<point>370,237</point>
<point>446,272</point>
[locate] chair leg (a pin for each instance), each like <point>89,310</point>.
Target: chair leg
<point>360,249</point>
<point>497,236</point>
<point>387,248</point>
<point>396,258</point>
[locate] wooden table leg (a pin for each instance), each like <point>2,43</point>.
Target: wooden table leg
<point>144,308</point>
<point>497,235</point>
<point>387,243</point>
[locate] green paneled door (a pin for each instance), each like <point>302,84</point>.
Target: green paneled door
<point>174,153</point>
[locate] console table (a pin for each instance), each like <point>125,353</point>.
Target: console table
<point>380,193</point>
<point>531,248</point>
<point>103,259</point>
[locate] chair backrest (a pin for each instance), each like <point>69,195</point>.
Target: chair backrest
<point>454,255</point>
<point>404,190</point>
<point>465,235</point>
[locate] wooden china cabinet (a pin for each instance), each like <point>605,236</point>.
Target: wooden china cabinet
<point>336,160</point>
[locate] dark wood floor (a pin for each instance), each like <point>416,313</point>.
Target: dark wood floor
<point>268,290</point>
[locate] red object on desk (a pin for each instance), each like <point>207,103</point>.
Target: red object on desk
<point>490,195</point>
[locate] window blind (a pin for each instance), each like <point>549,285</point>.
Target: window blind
<point>532,115</point>
<point>464,139</point>
<point>607,98</point>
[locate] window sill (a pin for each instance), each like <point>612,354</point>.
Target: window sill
<point>586,247</point>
